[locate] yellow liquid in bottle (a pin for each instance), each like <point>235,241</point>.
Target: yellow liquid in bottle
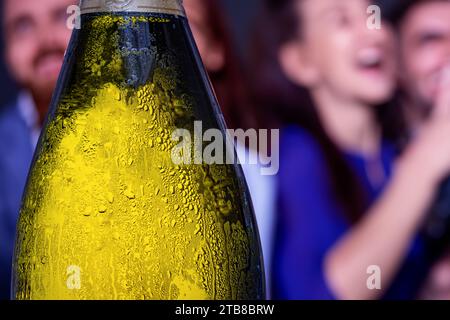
<point>108,215</point>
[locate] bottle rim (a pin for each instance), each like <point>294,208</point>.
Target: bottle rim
<point>174,7</point>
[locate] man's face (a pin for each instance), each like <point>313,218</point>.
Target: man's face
<point>425,50</point>
<point>36,37</point>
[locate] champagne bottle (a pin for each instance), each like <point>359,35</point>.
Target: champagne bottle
<point>106,213</point>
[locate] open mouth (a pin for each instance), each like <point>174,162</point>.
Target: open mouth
<point>50,65</point>
<point>370,60</point>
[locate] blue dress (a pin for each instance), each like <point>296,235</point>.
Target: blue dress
<point>310,222</point>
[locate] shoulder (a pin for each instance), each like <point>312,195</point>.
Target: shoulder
<point>13,130</point>
<point>299,147</point>
<point>303,165</point>
<point>9,116</point>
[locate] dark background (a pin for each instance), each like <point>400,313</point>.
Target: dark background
<point>7,88</point>
<point>239,12</point>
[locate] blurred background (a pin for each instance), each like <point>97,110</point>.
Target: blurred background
<point>8,90</point>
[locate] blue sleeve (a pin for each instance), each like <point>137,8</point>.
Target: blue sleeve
<point>5,241</point>
<point>309,222</point>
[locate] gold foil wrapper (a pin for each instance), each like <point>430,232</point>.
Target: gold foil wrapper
<point>152,6</point>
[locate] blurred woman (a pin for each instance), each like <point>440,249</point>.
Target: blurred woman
<point>219,55</point>
<point>348,223</point>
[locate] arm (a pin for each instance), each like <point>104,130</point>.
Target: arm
<point>381,238</point>
<point>384,235</point>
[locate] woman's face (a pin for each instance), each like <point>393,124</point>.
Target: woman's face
<point>342,52</point>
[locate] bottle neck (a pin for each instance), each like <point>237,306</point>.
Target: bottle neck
<point>174,7</point>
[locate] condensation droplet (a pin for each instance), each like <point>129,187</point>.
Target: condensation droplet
<point>129,194</point>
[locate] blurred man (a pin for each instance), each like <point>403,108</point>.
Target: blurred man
<point>424,30</point>
<point>36,37</point>
<point>424,34</point>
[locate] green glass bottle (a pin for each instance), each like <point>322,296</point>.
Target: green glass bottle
<point>107,213</point>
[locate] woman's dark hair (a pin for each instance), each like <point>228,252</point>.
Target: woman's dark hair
<point>286,103</point>
<point>229,82</point>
